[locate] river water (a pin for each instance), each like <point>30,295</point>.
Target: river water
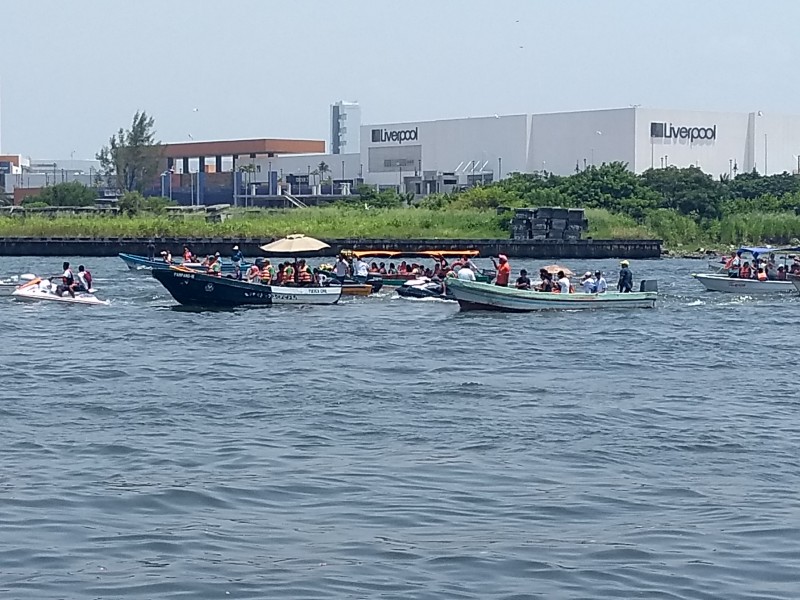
<point>390,448</point>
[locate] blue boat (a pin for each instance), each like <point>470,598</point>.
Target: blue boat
<point>136,262</point>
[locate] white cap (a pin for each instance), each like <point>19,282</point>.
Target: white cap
<point>236,247</point>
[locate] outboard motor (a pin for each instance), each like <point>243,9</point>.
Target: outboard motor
<point>648,285</point>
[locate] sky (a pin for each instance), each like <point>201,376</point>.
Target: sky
<point>75,72</point>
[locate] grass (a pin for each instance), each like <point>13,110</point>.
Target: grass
<point>406,223</point>
<point>323,222</point>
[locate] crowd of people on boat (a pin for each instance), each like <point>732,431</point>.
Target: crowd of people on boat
<point>355,268</point>
<point>557,280</point>
<point>761,269</point>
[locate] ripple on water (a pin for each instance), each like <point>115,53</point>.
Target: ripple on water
<point>393,449</point>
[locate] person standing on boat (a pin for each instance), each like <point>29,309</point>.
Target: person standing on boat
<point>360,270</point>
<point>254,272</point>
<point>503,270</point>
<point>625,283</point>
<point>341,268</point>
<point>236,258</point>
<point>187,255</point>
<point>600,284</point>
<point>151,250</point>
<point>734,264</point>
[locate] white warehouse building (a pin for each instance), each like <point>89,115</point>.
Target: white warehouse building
<point>428,156</point>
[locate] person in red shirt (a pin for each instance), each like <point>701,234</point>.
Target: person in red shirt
<point>503,270</point>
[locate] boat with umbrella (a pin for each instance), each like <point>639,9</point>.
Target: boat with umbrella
<point>722,282</point>
<point>298,245</point>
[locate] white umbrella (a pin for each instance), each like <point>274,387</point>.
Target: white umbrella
<point>295,243</point>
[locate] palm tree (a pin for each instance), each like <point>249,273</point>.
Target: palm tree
<point>323,168</point>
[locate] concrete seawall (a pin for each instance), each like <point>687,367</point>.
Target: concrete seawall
<point>556,249</point>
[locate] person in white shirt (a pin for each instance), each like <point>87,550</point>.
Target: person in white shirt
<point>341,268</point>
<point>563,282</point>
<point>361,270</point>
<point>600,285</point>
<point>466,274</point>
<point>588,283</point>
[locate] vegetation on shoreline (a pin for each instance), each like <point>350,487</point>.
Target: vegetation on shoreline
<point>683,207</point>
<point>324,222</point>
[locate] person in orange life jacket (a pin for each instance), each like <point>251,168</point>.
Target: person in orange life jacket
<point>68,281</point>
<point>745,272</point>
<point>304,276</point>
<point>762,274</point>
<point>733,264</point>
<point>503,270</point>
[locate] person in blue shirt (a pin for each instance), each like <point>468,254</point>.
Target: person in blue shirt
<point>625,284</point>
<point>236,258</point>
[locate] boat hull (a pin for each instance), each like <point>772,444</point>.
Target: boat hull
<point>733,285</point>
<point>796,282</point>
<point>482,296</point>
<point>192,288</point>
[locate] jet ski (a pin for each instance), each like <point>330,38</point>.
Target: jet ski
<point>7,286</point>
<point>43,289</point>
<point>424,288</point>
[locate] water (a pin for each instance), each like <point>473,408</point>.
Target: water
<point>387,448</point>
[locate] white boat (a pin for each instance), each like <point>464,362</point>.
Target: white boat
<point>734,285</point>
<point>473,295</point>
<point>42,289</point>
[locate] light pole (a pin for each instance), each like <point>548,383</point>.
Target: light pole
<point>473,172</point>
<point>765,155</point>
<point>499,168</point>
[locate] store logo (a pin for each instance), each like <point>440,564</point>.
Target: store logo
<point>661,130</point>
<point>399,136</point>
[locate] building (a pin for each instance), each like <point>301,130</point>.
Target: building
<point>423,157</point>
<point>345,128</point>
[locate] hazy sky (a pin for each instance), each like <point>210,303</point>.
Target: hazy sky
<point>75,71</point>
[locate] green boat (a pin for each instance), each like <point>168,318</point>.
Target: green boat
<point>398,279</point>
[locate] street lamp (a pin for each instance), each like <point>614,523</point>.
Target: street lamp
<point>499,168</point>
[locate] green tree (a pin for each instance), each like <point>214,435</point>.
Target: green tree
<point>322,169</point>
<point>73,193</point>
<point>689,191</point>
<point>130,160</point>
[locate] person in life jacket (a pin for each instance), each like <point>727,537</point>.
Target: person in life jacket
<point>254,272</point>
<point>267,271</point>
<point>67,281</point>
<point>304,276</point>
<point>288,274</point>
<point>745,272</point>
<point>733,264</point>
<point>762,274</point>
<point>187,254</point>
<point>84,279</point>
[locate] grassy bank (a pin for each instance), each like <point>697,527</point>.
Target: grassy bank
<point>677,231</point>
<point>324,222</point>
